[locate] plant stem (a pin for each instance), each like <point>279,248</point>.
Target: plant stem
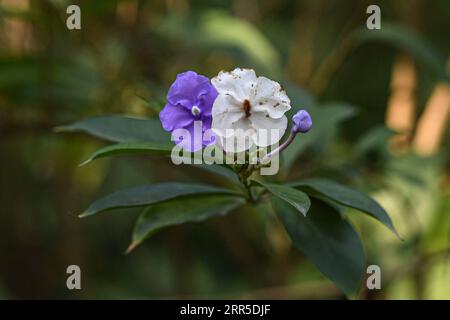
<point>244,173</point>
<point>281,147</point>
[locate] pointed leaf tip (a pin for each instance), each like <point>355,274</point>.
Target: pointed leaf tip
<point>348,197</point>
<point>150,194</point>
<point>296,198</point>
<point>85,162</point>
<point>132,246</point>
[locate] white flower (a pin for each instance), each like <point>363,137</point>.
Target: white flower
<point>248,108</point>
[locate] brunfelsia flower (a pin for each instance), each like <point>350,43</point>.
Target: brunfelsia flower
<point>302,122</point>
<point>190,98</point>
<point>250,106</point>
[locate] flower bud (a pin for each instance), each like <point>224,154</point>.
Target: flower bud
<point>302,122</point>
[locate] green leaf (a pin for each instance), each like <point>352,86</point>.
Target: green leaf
<point>218,29</point>
<point>150,194</point>
<point>347,197</point>
<point>127,148</point>
<point>300,98</point>
<point>329,241</point>
<point>180,211</point>
<point>299,200</point>
<point>402,38</point>
<point>376,139</point>
<point>120,129</point>
<point>222,171</point>
<point>221,28</point>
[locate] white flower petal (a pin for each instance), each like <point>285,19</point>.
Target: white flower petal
<point>225,121</point>
<point>270,97</point>
<point>269,130</point>
<point>239,83</point>
<point>225,103</point>
<point>233,146</point>
<point>240,138</point>
<point>260,120</point>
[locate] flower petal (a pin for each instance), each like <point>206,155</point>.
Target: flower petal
<point>206,101</point>
<point>225,103</point>
<point>193,140</point>
<point>270,97</point>
<point>174,117</point>
<point>240,83</point>
<point>269,130</point>
<point>226,121</point>
<point>238,139</point>
<point>187,89</point>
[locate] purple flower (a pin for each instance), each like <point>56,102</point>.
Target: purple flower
<point>190,99</point>
<point>302,122</point>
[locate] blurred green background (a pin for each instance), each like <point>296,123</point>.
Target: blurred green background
<point>381,112</point>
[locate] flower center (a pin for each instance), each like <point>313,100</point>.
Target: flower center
<point>195,111</point>
<point>246,105</point>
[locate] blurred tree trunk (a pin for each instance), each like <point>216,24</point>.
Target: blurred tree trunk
<point>401,107</point>
<point>433,122</point>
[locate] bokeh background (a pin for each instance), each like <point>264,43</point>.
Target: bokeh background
<point>385,132</point>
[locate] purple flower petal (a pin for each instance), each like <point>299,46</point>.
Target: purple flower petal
<point>194,137</point>
<point>187,88</point>
<point>194,141</point>
<point>206,122</point>
<point>174,117</point>
<point>206,101</point>
<point>190,101</point>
